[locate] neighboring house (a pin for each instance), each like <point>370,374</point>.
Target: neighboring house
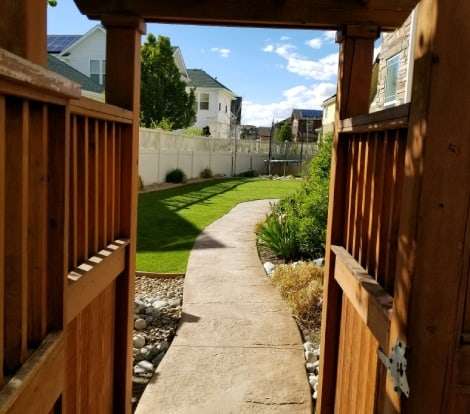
<point>305,122</point>
<point>264,134</point>
<point>179,62</point>
<point>90,88</point>
<point>85,53</point>
<point>248,132</point>
<point>329,110</point>
<point>393,68</point>
<point>213,103</point>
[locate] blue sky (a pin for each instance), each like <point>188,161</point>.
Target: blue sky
<point>274,70</point>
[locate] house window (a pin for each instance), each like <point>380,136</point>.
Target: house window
<point>98,71</point>
<point>220,106</point>
<point>204,101</point>
<point>391,79</point>
<point>225,108</point>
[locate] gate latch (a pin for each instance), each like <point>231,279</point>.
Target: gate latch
<point>396,366</point>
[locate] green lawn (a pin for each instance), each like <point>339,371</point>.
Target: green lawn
<point>170,220</point>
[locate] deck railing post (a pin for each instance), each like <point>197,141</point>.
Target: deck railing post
<point>354,79</point>
<point>123,89</point>
<point>23,29</point>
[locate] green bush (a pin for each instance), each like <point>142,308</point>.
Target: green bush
<point>306,211</point>
<point>248,174</point>
<point>206,173</point>
<point>176,176</point>
<point>278,235</point>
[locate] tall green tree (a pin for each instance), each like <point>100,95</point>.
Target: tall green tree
<point>164,99</point>
<point>284,132</point>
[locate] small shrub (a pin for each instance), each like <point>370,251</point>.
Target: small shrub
<point>176,176</point>
<point>301,285</point>
<point>248,174</point>
<point>206,173</point>
<point>278,235</point>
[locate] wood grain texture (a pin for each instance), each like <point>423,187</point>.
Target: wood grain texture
<point>37,385</point>
<point>123,89</point>
<point>2,226</point>
<point>355,56</point>
<point>370,301</point>
<point>37,227</point>
<point>16,232</point>
<point>313,14</point>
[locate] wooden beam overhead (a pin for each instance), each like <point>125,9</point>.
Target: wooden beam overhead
<point>313,14</point>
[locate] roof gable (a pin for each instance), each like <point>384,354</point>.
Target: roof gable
<point>199,78</point>
<point>56,65</point>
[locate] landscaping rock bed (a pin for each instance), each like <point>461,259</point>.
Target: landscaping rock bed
<point>157,311</point>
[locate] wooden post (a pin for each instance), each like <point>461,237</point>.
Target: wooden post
<point>123,89</point>
<point>354,78</point>
<point>23,29</point>
<point>432,265</point>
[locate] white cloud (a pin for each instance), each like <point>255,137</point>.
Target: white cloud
<point>283,38</point>
<point>330,35</point>
<point>301,96</point>
<point>222,51</point>
<point>322,69</point>
<point>314,43</point>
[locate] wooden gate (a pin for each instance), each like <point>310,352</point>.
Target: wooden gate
<point>364,265</point>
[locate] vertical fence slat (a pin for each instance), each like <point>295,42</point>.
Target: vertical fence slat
<point>73,230</point>
<point>104,185</point>
<point>367,194</point>
<point>117,176</point>
<point>348,193</point>
<point>16,232</point>
<point>93,218</point>
<point>357,198</point>
<point>37,246</point>
<point>111,180</point>
<point>58,220</point>
<point>2,233</point>
<point>378,207</point>
<point>387,200</point>
<point>82,188</point>
<point>352,194</point>
<point>373,194</point>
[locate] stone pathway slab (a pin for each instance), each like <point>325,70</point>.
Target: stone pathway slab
<point>237,350</point>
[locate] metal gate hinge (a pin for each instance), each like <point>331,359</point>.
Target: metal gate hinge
<point>396,366</point>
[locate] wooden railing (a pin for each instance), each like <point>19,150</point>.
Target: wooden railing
<point>61,235</point>
<point>97,138</point>
<point>34,171</point>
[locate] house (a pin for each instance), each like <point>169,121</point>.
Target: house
<point>264,134</point>
<point>90,88</point>
<point>304,123</point>
<point>85,53</point>
<point>214,103</point>
<point>329,109</point>
<point>393,68</point>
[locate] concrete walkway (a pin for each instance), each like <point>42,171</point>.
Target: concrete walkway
<point>237,349</point>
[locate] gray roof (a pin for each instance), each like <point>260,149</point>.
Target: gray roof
<point>58,43</point>
<point>60,67</point>
<point>201,79</point>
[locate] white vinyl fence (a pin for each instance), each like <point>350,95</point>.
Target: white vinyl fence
<point>162,151</point>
